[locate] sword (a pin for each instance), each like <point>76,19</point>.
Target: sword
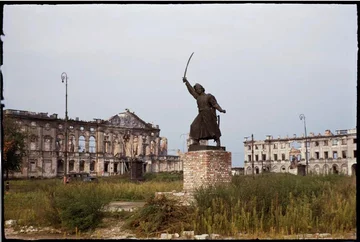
<point>188,64</point>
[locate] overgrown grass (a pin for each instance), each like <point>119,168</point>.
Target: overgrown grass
<point>50,202</point>
<point>279,204</point>
<point>270,204</point>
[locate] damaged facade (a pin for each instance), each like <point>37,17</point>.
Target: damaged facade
<point>99,147</point>
<point>327,153</point>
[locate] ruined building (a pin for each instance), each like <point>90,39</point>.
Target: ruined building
<point>99,147</point>
<point>327,153</point>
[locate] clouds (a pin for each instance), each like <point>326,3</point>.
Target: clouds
<point>265,64</point>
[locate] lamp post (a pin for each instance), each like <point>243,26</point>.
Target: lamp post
<point>64,78</point>
<point>183,142</point>
<point>252,154</point>
<point>302,117</point>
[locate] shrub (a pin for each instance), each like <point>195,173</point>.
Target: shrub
<point>161,215</point>
<point>77,206</point>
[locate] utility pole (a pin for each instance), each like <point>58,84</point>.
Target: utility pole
<point>64,78</point>
<point>302,116</point>
<point>252,155</point>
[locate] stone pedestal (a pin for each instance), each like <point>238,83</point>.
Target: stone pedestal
<point>204,168</point>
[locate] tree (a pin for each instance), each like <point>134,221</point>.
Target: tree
<point>14,146</point>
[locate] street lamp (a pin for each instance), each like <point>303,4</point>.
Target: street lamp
<point>184,140</point>
<point>302,116</point>
<point>64,78</point>
<point>252,154</point>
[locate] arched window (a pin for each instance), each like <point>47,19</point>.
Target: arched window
<point>82,165</point>
<point>71,165</point>
<point>82,144</point>
<point>47,143</point>
<point>92,144</point>
<point>92,166</point>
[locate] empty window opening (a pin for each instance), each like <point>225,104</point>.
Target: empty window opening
<point>326,155</point>
<point>92,145</point>
<point>335,155</point>
<point>317,155</point>
<point>334,142</point>
<point>256,147</point>
<point>343,141</point>
<point>256,157</point>
<point>71,165</point>
<point>249,157</point>
<point>354,153</point>
<point>326,143</point>
<point>92,166</point>
<point>257,170</point>
<point>60,166</point>
<point>344,154</point>
<point>275,146</point>
<point>116,167</point>
<point>275,157</point>
<point>282,156</point>
<point>354,141</point>
<point>32,166</point>
<point>316,143</point>
<point>82,165</point>
<point>249,147</point>
<point>106,167</point>
<point>263,157</point>
<point>82,144</point>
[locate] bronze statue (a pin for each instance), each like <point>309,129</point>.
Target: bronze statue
<point>204,126</point>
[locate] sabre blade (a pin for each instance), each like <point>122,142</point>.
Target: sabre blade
<point>188,64</point>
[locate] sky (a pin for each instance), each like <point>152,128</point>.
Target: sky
<point>265,63</point>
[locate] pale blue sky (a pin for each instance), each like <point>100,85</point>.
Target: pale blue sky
<point>264,63</point>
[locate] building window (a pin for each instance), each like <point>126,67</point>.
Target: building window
<point>82,128</point>
<point>282,145</point>
<point>354,141</point>
<point>71,165</point>
<point>249,147</point>
<point>263,157</point>
<point>92,166</point>
<point>282,156</point>
<point>326,155</point>
<point>316,143</point>
<point>344,155</point>
<point>33,124</point>
<point>317,155</point>
<point>263,146</point>
<point>82,165</point>
<point>335,155</point>
<point>307,144</point>
<point>256,147</point>
<point>354,153</point>
<point>256,157</point>
<point>343,142</point>
<point>275,146</point>
<point>326,143</point>
<point>334,142</point>
<point>32,166</point>
<point>249,157</point>
<point>92,129</point>
<point>106,167</point>
<point>275,157</point>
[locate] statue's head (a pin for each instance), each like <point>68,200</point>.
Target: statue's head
<point>199,89</point>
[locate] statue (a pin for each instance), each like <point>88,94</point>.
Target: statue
<point>204,126</point>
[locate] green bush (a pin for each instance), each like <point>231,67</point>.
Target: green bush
<point>161,215</point>
<point>77,206</point>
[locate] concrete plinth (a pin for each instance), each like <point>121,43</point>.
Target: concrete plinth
<point>204,168</point>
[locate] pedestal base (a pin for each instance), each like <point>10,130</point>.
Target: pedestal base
<point>206,168</point>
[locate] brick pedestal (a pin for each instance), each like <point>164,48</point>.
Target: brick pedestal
<point>206,167</point>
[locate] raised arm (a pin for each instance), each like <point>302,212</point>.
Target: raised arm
<point>190,88</point>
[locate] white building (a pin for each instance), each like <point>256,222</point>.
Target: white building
<point>327,153</point>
